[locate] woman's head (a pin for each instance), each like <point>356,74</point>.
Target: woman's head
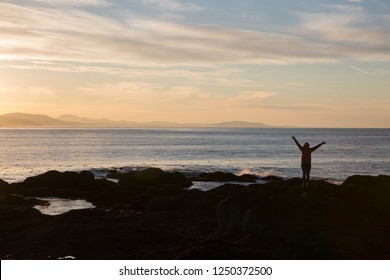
<point>306,145</point>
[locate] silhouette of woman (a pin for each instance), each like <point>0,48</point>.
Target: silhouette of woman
<point>306,159</point>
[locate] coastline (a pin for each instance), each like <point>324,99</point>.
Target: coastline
<point>153,214</point>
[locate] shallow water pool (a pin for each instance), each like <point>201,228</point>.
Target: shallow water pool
<point>59,206</point>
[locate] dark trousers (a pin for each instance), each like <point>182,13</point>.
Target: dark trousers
<point>306,173</point>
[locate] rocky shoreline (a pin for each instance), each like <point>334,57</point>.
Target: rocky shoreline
<point>152,214</point>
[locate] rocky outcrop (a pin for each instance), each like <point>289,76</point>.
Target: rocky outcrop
<point>151,216</point>
<point>365,180</point>
<point>154,177</point>
<point>224,177</point>
<point>60,184</point>
<point>4,188</point>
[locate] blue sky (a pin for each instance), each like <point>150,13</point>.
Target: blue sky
<point>303,63</point>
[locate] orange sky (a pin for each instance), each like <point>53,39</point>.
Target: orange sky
<point>285,63</point>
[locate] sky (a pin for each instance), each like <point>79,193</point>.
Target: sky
<point>303,63</point>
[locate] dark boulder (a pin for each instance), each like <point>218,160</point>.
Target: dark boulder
<point>154,177</point>
<point>366,180</point>
<point>55,178</point>
<point>55,183</point>
<point>3,183</point>
<point>16,200</point>
<point>229,215</point>
<point>219,176</point>
<point>115,174</point>
<point>4,188</point>
<point>294,182</point>
<point>164,204</point>
<point>272,178</point>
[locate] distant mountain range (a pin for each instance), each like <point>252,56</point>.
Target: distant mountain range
<point>34,120</point>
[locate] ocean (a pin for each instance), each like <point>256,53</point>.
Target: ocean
<point>259,151</point>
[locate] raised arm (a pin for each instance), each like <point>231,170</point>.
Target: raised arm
<point>297,143</point>
<point>317,146</point>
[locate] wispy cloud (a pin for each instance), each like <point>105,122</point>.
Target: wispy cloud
<point>344,8</point>
<point>348,34</point>
<point>172,5</point>
<point>49,34</point>
<point>74,3</point>
<point>76,36</point>
<point>251,98</point>
<point>359,69</point>
<point>138,94</point>
<point>282,107</point>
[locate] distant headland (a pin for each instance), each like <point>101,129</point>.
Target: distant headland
<point>38,120</point>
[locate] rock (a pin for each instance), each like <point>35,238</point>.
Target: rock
<point>272,178</point>
<point>19,200</point>
<point>320,183</point>
<point>163,204</point>
<point>67,179</point>
<point>203,228</point>
<point>4,188</point>
<point>250,224</point>
<point>155,218</point>
<point>154,177</point>
<point>219,176</point>
<point>229,215</point>
<point>358,180</point>
<point>3,183</point>
<point>294,182</point>
<point>225,190</point>
<point>115,174</point>
<point>59,184</point>
<point>86,178</point>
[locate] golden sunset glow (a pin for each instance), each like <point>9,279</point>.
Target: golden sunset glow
<point>283,63</point>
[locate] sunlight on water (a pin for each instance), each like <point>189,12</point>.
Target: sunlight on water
<point>28,152</point>
<point>59,205</point>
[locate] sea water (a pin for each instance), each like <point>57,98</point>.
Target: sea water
<point>259,151</point>
<point>58,206</point>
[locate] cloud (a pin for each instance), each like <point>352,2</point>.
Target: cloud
<point>172,5</point>
<point>138,94</point>
<point>26,94</point>
<point>348,34</point>
<point>81,36</point>
<point>360,70</point>
<point>75,36</point>
<point>251,98</point>
<point>344,8</point>
<point>282,107</point>
<point>73,3</point>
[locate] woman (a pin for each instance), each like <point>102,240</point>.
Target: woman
<point>306,159</point>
